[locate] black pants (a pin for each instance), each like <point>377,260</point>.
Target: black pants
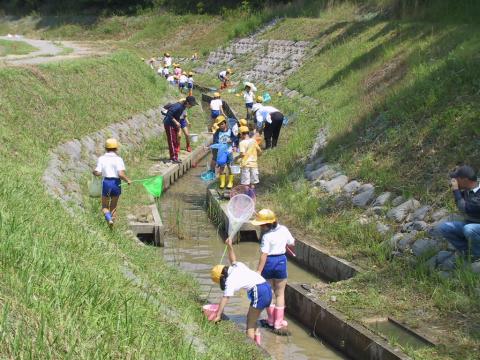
<point>271,131</point>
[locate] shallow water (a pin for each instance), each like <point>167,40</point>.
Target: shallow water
<point>193,244</point>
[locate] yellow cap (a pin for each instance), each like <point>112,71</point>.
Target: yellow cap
<point>216,273</point>
<point>167,54</point>
<point>220,119</point>
<point>182,99</point>
<point>264,216</point>
<point>259,99</point>
<point>190,73</point>
<point>216,94</point>
<point>243,129</point>
<point>243,122</point>
<point>111,144</point>
<point>229,71</point>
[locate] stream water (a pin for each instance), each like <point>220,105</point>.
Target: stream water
<point>193,244</point>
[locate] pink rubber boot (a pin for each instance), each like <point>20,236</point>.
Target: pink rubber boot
<point>279,321</point>
<point>258,337</point>
<point>271,315</point>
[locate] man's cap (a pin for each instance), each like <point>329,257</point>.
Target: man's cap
<point>464,171</point>
<point>191,100</point>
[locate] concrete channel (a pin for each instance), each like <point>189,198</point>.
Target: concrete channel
<point>308,315</point>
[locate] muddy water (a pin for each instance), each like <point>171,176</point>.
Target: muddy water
<point>193,244</point>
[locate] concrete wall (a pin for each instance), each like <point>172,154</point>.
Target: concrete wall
<point>350,338</point>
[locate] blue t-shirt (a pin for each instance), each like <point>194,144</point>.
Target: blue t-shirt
<point>174,112</point>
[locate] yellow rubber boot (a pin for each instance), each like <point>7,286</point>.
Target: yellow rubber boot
<point>222,180</point>
<point>230,182</point>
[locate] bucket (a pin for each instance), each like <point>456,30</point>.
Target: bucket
<point>235,169</point>
<point>95,187</point>
<point>266,97</point>
<point>193,138</point>
<point>210,311</point>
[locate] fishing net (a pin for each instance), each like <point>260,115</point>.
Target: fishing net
<point>154,185</point>
<point>240,209</point>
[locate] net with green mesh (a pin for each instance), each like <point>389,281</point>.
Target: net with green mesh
<point>154,185</point>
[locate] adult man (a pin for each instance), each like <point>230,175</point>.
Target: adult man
<point>465,235</point>
<point>172,124</point>
<point>269,119</point>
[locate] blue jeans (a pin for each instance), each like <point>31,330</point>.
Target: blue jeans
<point>463,236</point>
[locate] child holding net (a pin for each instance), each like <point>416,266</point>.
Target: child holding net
<point>238,276</point>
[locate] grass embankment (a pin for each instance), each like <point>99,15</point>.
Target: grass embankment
<point>8,47</point>
<point>63,291</point>
<point>400,101</point>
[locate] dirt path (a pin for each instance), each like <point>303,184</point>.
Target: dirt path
<point>49,51</point>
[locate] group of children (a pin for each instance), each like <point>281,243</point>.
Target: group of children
<point>174,74</point>
<point>270,276</point>
<point>229,137</point>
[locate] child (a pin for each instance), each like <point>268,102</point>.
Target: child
<point>224,78</point>
<point>184,129</point>
<point>182,81</point>
<point>248,95</point>
<point>177,70</point>
<point>190,83</point>
<point>216,107</point>
<point>222,141</point>
<point>165,71</point>
<point>171,79</point>
<point>112,168</point>
<point>249,151</point>
<point>167,60</point>
<point>238,276</point>
<point>273,263</point>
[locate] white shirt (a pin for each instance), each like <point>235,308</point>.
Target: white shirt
<point>165,71</point>
<point>167,60</point>
<point>190,80</point>
<point>275,241</point>
<point>110,164</point>
<point>216,104</point>
<point>171,78</point>
<point>183,79</point>
<point>222,74</point>
<point>248,96</point>
<point>263,114</point>
<point>241,277</point>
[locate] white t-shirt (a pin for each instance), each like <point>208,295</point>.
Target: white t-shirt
<point>110,164</point>
<point>167,60</point>
<point>190,80</point>
<point>183,79</point>
<point>216,104</point>
<point>263,114</point>
<point>165,71</point>
<point>241,277</point>
<point>248,96</point>
<point>222,74</point>
<point>275,241</point>
<point>171,78</point>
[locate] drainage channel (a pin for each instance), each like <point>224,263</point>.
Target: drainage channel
<point>195,245</point>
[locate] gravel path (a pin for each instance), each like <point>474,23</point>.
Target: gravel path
<point>48,51</point>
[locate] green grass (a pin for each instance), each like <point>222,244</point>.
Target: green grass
<point>8,47</point>
<point>64,293</point>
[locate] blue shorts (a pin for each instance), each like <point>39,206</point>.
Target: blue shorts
<point>215,114</point>
<point>190,86</point>
<point>182,85</point>
<point>249,105</point>
<point>183,123</point>
<point>260,296</point>
<point>275,267</point>
<point>111,187</point>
